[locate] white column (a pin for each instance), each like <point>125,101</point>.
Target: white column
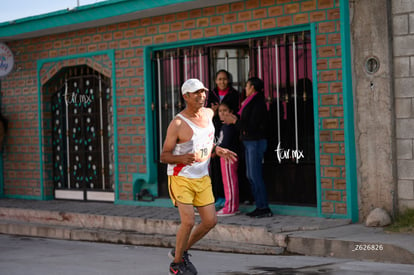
<point>67,134</point>
<point>200,63</point>
<point>159,100</point>
<point>259,60</point>
<point>277,90</point>
<point>101,133</point>
<point>295,96</point>
<point>172,85</point>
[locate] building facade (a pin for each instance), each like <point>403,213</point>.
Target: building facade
<point>92,90</point>
<point>403,68</point>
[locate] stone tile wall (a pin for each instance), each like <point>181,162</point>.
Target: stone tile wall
<point>403,48</point>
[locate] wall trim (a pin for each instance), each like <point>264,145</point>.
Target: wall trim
<point>152,165</point>
<point>348,100</point>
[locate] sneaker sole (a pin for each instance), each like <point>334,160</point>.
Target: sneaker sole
<point>169,273</point>
<point>263,216</point>
<point>227,215</point>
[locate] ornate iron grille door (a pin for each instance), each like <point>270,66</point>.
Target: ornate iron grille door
<point>80,133</point>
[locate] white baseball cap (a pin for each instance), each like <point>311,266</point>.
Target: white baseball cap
<point>192,85</point>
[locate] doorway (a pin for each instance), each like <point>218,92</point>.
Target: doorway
<point>284,63</point>
<point>81,112</point>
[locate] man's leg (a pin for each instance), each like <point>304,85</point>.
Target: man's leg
<point>208,221</point>
<point>187,223</point>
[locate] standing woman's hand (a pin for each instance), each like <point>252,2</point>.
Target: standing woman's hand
<point>229,119</point>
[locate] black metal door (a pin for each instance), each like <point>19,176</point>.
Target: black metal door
<point>283,62</point>
<point>80,136</point>
<point>170,69</point>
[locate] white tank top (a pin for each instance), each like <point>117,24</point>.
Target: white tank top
<point>201,143</point>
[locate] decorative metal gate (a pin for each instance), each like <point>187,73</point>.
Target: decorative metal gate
<point>284,64</point>
<point>80,134</point>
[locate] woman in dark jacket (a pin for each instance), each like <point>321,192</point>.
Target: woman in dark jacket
<point>223,91</point>
<point>252,125</point>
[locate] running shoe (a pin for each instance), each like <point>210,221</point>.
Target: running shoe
<point>179,269</point>
<point>186,260</point>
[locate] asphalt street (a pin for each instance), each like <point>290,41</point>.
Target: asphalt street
<point>36,256</point>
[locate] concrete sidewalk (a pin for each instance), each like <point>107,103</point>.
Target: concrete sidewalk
<point>156,226</point>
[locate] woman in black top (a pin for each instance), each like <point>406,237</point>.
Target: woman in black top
<point>223,91</point>
<point>252,124</point>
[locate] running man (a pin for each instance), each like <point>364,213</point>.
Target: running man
<point>187,149</point>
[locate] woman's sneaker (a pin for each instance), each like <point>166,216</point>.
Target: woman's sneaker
<point>225,213</point>
<point>260,213</point>
<point>179,269</point>
<point>186,260</point>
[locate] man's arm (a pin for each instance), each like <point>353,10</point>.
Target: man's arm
<point>171,140</point>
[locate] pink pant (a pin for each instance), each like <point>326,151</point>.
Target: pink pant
<point>230,184</point>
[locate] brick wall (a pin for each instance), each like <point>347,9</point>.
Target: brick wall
<point>403,32</point>
<point>128,40</point>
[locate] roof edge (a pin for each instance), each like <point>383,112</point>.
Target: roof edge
<point>80,17</point>
<point>57,12</point>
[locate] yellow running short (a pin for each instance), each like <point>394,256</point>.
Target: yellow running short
<point>197,192</point>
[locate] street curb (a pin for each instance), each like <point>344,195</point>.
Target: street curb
<point>381,252</point>
<point>59,221</point>
<point>337,242</point>
<point>127,238</point>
